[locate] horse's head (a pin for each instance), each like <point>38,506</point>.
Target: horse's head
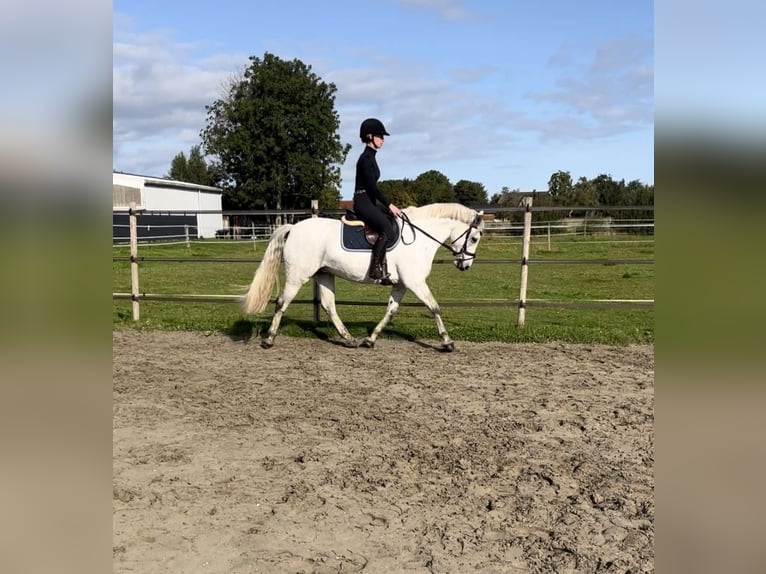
<point>465,240</point>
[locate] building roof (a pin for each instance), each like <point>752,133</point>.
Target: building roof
<point>150,181</point>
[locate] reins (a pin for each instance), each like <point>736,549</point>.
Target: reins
<point>462,254</point>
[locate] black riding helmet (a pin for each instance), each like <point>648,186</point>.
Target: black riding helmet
<point>372,127</point>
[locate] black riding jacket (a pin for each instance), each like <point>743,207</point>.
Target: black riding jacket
<point>367,175</point>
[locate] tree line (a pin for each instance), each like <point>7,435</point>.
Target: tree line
<point>586,194</point>
<point>272,142</point>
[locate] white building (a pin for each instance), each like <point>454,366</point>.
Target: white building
<point>159,194</point>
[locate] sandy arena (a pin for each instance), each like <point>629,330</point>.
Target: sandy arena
<point>314,458</point>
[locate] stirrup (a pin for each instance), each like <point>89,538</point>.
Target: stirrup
<point>382,276</point>
<point>379,273</point>
<point>375,273</point>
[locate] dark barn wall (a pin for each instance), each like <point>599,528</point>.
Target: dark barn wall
<point>155,223</point>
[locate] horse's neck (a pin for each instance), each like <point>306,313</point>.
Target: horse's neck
<point>444,228</point>
<point>439,229</point>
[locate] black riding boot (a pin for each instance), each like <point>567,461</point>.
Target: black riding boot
<point>378,266</point>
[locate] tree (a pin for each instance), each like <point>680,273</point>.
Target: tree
<point>560,186</point>
<point>197,167</point>
<point>433,187</point>
<point>584,194</point>
<point>608,191</point>
<point>275,135</point>
<point>508,197</point>
<point>470,193</point>
<point>178,167</point>
<point>636,193</point>
<point>639,193</point>
<point>544,199</point>
<point>399,191</point>
<point>194,169</point>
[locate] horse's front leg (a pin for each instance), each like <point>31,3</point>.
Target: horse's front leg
<point>397,292</point>
<point>423,293</point>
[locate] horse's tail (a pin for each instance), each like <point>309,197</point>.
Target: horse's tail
<point>266,275</point>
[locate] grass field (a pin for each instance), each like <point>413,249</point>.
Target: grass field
<point>486,282</point>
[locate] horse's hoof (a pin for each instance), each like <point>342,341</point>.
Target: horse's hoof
<point>367,342</point>
<point>448,347</point>
<point>266,344</point>
<point>350,343</point>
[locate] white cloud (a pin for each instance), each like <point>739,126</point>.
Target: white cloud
<point>473,74</point>
<point>160,90</point>
<point>607,93</point>
<point>450,10</point>
<point>435,115</point>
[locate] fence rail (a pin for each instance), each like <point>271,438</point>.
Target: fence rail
<point>522,302</point>
<point>582,304</point>
<point>437,261</point>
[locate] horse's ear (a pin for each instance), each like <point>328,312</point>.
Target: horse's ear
<point>479,216</point>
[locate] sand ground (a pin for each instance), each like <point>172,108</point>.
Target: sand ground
<point>314,458</point>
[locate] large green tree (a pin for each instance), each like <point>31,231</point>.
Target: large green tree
<point>560,186</point>
<point>470,192</point>
<point>608,191</point>
<point>275,134</point>
<point>433,187</point>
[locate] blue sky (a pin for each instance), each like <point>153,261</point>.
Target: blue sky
<point>503,93</point>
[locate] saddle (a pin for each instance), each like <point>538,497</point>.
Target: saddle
<point>356,235</point>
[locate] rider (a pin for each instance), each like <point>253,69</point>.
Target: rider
<point>370,205</point>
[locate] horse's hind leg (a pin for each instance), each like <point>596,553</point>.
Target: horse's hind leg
<point>283,301</point>
<point>326,283</point>
<point>397,293</point>
<point>423,293</point>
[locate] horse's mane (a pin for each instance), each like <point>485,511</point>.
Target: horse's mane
<point>442,210</point>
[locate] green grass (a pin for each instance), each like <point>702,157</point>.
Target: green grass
<point>485,282</point>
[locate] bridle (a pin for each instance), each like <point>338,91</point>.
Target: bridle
<point>461,255</point>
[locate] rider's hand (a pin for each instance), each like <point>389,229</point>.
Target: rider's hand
<point>395,210</point>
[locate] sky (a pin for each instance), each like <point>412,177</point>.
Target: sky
<point>501,93</point>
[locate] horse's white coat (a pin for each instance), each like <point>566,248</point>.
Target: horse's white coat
<point>313,248</point>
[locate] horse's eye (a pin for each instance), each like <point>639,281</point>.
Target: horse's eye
<point>474,239</point>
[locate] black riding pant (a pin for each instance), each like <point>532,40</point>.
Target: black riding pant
<point>374,214</point>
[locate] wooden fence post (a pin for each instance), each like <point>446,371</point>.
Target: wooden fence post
<point>134,293</point>
<point>526,202</point>
<point>186,234</point>
<point>314,284</point>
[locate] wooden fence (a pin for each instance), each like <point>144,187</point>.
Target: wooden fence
<point>135,295</point>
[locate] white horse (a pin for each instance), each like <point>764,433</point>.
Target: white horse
<point>313,248</point>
